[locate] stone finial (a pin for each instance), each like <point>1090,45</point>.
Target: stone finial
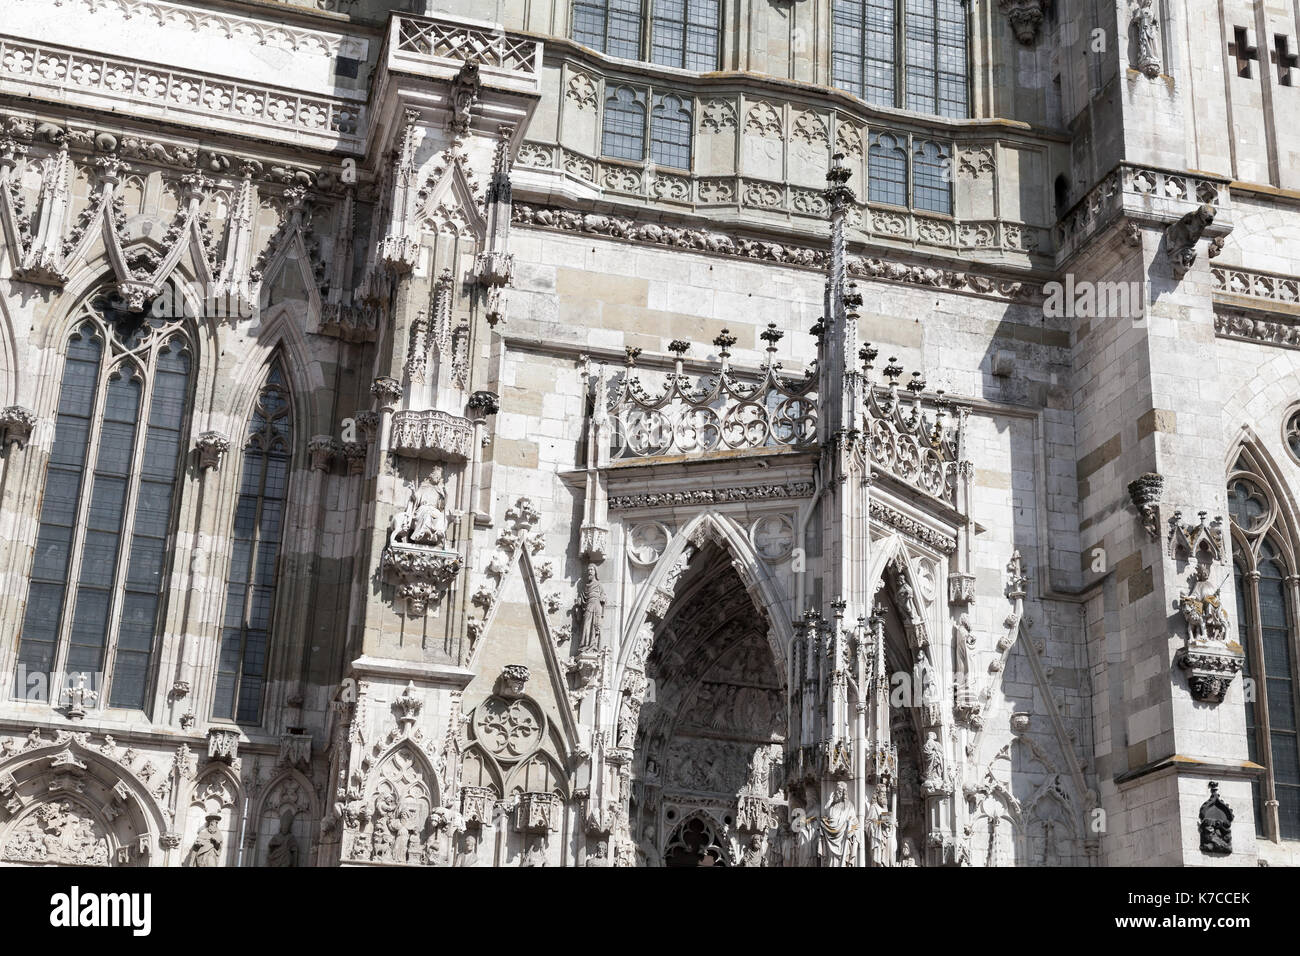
<point>407,707</point>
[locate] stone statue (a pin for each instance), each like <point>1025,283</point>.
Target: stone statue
<point>647,848</point>
<point>536,855</point>
<point>1215,823</point>
<point>600,856</point>
<point>593,613</point>
<point>805,830</point>
<point>469,851</point>
<point>755,854</point>
<point>206,850</point>
<point>932,756</point>
<point>424,520</point>
<point>839,829</point>
<point>963,643</point>
<point>880,825</point>
<point>905,854</point>
<point>282,850</point>
<point>1148,43</point>
<point>1203,611</point>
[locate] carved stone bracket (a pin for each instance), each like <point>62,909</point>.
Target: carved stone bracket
<point>484,403</point>
<point>388,390</point>
<point>323,449</point>
<point>1210,669</point>
<point>212,447</point>
<point>1145,493</point>
<point>421,574</point>
<point>1025,17</point>
<point>16,424</point>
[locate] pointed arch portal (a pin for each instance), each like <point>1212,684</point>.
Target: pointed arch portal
<point>713,724</point>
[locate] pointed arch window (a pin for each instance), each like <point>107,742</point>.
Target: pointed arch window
<point>254,555</point>
<point>1265,584</point>
<point>98,584</point>
<point>909,54</point>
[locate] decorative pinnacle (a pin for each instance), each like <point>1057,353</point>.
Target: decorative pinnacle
<point>724,341</point>
<point>852,297</point>
<point>837,191</point>
<point>679,347</point>
<point>632,354</point>
<point>868,355</point>
<point>893,370</point>
<point>771,335</point>
<point>917,384</point>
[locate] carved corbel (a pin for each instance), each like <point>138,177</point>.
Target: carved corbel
<point>1145,494</point>
<point>212,447</point>
<point>1025,17</point>
<point>323,449</point>
<point>16,424</point>
<point>407,707</point>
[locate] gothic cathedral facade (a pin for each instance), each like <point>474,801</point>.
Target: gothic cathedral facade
<point>649,433</point>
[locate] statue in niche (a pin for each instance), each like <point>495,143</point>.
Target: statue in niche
<point>1203,611</point>
<point>932,755</point>
<point>424,519</point>
<point>880,825</point>
<point>755,854</point>
<point>206,850</point>
<point>649,855</point>
<point>1215,824</point>
<point>593,612</point>
<point>468,855</point>
<point>964,643</point>
<point>381,828</point>
<point>282,850</point>
<point>905,857</point>
<point>536,855</point>
<point>839,829</point>
<point>804,827</point>
<point>599,856</point>
<point>1148,43</point>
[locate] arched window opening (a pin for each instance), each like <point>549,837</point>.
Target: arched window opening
<point>254,555</point>
<point>98,584</point>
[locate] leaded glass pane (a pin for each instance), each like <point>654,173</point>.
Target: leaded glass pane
<point>670,132</point>
<point>931,175</point>
<point>250,586</point>
<point>624,129</point>
<point>887,171</point>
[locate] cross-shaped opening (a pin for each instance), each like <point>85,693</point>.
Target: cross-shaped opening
<point>1284,59</point>
<point>1243,51</point>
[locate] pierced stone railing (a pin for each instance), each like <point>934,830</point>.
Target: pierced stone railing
<point>416,44</point>
<point>1258,285</point>
<point>903,440</point>
<point>117,84</point>
<point>719,413</point>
